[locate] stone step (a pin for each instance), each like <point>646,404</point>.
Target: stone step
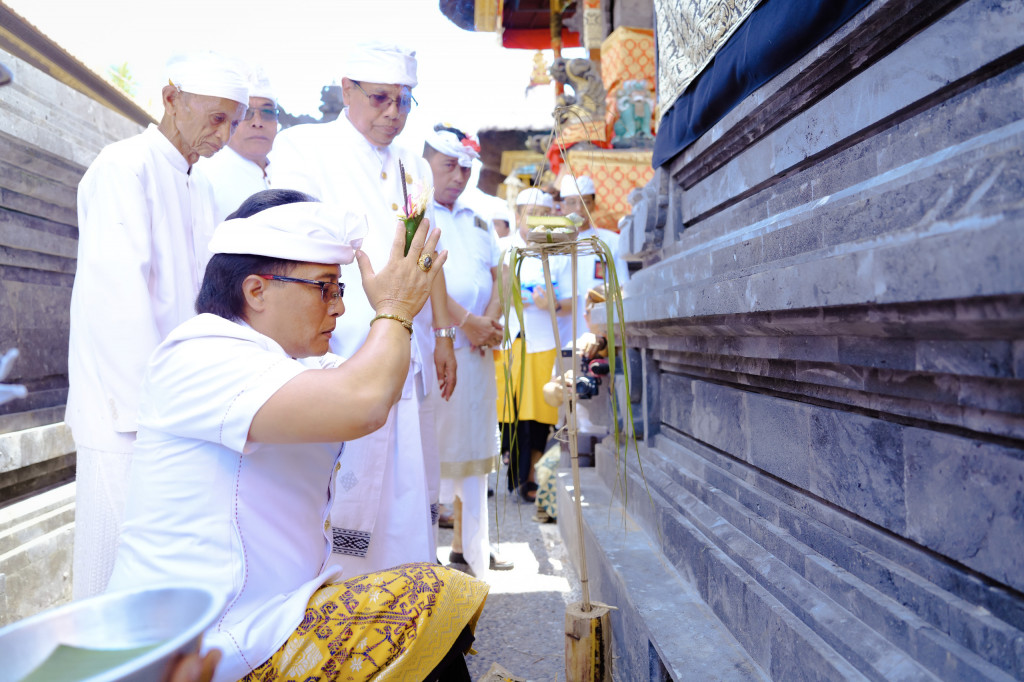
<point>36,525</point>
<point>881,637</point>
<point>954,637</point>
<point>36,575</point>
<point>869,654</point>
<point>680,635</point>
<point>36,506</point>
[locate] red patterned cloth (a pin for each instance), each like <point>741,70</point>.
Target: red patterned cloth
<point>615,173</point>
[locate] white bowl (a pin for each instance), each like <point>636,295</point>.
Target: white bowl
<point>166,621</point>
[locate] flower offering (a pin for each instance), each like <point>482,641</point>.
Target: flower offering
<point>417,196</point>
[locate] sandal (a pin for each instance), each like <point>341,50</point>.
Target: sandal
<point>543,517</point>
<point>528,492</point>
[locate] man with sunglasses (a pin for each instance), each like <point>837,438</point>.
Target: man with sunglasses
<point>240,171</point>
<point>386,508</point>
<point>144,222</point>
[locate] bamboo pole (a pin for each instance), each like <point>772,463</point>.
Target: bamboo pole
<point>588,650</point>
<point>569,397</point>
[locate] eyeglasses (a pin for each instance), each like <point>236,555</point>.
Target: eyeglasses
<point>381,101</point>
<point>329,291</point>
<point>265,114</point>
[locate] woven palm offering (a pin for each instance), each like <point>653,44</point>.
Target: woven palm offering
<point>553,229</point>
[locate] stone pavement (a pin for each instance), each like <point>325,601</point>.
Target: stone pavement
<point>522,626</point>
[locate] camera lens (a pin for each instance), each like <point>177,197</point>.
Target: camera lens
<point>587,387</point>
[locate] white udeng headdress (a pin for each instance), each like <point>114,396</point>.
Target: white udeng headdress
<point>384,63</point>
<point>259,85</point>
<point>569,188</point>
<point>210,74</point>
<point>533,196</point>
<point>503,212</point>
<point>305,231</point>
<point>448,143</point>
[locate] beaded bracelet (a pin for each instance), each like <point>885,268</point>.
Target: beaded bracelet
<point>401,320</point>
<point>464,319</point>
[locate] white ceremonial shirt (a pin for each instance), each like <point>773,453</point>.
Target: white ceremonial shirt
<point>383,510</point>
<point>336,164</point>
<point>539,334</point>
<point>207,506</point>
<point>472,253</point>
<point>590,274</point>
<point>233,178</point>
<point>144,225</point>
<point>466,434</point>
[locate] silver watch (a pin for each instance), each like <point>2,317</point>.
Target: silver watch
<point>445,333</point>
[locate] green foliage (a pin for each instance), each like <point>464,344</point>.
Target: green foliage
<point>615,333</point>
<point>120,75</point>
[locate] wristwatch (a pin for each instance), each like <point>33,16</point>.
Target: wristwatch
<point>444,333</point>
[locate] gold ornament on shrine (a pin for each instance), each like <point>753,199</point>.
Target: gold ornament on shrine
<point>539,75</point>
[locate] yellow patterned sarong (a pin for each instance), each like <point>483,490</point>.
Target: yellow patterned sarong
<point>531,393</point>
<point>390,625</point>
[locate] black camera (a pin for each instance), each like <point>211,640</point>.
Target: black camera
<point>588,382</point>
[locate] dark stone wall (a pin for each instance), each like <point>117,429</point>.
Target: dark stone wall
<point>49,133</point>
<point>831,315</point>
<point>37,265</point>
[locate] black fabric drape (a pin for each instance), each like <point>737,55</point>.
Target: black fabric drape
<point>774,36</point>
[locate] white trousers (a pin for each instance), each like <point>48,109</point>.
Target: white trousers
<point>476,548</point>
<point>101,491</point>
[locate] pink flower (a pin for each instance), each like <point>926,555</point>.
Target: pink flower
<point>419,198</point>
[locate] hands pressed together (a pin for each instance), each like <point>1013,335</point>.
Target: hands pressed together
<point>482,331</point>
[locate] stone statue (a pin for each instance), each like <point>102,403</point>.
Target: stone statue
<point>587,101</point>
<point>636,105</point>
<point>332,105</point>
<point>538,143</point>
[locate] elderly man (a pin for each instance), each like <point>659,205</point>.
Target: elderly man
<point>388,484</point>
<point>241,170</point>
<point>144,223</point>
<point>240,426</point>
<point>465,434</point>
<point>526,421</point>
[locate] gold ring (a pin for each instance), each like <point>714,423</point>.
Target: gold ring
<point>425,262</point>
